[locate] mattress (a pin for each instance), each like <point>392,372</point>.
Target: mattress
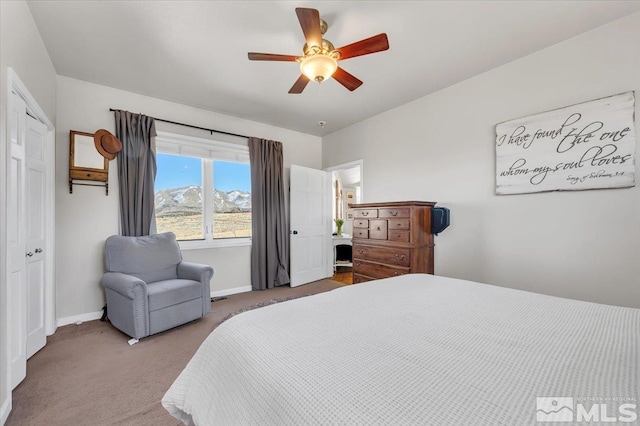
<point>414,349</point>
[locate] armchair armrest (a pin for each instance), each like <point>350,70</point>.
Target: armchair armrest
<point>202,273</point>
<point>123,284</point>
<point>195,272</point>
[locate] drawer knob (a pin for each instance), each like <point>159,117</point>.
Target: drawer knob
<point>394,213</point>
<point>358,263</point>
<point>378,228</point>
<point>399,256</point>
<point>361,251</point>
<point>365,213</point>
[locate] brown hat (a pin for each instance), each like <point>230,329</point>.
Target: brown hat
<point>107,144</point>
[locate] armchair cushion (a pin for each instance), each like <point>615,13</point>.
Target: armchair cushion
<point>172,292</point>
<point>151,258</point>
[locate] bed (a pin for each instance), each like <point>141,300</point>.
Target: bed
<point>414,349</point>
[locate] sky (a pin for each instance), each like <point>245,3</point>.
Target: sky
<point>178,171</point>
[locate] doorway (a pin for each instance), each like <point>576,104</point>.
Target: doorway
<point>347,189</point>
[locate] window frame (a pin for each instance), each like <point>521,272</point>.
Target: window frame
<point>208,150</point>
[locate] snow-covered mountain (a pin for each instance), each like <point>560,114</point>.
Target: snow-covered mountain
<point>232,201</point>
<point>188,200</point>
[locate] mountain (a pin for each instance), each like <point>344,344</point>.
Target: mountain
<point>231,201</point>
<point>188,201</point>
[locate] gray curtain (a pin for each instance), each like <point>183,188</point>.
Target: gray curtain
<point>269,237</point>
<point>136,173</point>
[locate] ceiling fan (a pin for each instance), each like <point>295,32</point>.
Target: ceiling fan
<point>320,59</point>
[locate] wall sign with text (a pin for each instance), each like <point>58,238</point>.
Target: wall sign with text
<point>585,146</point>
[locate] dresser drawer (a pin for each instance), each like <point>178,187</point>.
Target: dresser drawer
<point>361,279</point>
<point>400,236</point>
<point>392,213</point>
<point>365,213</point>
<point>87,175</point>
<point>360,223</point>
<point>398,224</point>
<point>360,233</point>
<point>388,255</point>
<point>377,270</point>
<point>378,229</point>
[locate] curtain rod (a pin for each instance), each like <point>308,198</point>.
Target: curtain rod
<point>212,131</point>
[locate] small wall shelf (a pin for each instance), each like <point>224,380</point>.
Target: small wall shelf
<point>86,163</point>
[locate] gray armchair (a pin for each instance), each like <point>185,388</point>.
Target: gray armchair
<point>149,288</point>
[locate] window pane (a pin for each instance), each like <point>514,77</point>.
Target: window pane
<point>232,200</point>
<point>178,196</point>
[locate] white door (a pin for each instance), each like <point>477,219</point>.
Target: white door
<point>35,198</point>
<point>310,227</point>
<point>16,241</point>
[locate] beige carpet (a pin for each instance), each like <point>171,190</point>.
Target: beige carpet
<point>89,375</point>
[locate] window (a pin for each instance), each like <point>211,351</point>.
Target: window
<point>232,200</point>
<point>178,196</point>
<point>203,191</point>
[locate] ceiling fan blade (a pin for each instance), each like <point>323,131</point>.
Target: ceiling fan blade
<point>300,84</point>
<point>369,45</point>
<point>346,79</point>
<point>310,23</point>
<point>271,57</point>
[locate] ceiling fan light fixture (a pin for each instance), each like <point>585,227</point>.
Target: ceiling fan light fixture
<point>319,60</point>
<point>318,67</point>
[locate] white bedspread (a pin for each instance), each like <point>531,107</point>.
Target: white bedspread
<point>416,349</point>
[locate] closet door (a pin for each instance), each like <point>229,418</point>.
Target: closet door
<point>16,240</point>
<point>26,237</point>
<point>35,199</point>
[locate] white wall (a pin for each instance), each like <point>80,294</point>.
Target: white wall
<point>21,48</point>
<point>87,217</point>
<point>582,245</point>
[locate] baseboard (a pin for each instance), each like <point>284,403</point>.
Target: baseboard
<point>230,291</point>
<point>90,316</point>
<point>5,410</point>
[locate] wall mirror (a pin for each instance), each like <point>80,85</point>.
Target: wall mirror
<point>85,162</point>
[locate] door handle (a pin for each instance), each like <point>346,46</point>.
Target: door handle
<point>295,232</point>
<point>29,254</point>
<point>38,250</point>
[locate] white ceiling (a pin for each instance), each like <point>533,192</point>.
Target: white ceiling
<point>195,52</point>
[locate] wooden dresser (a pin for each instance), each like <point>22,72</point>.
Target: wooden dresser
<point>391,239</point>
